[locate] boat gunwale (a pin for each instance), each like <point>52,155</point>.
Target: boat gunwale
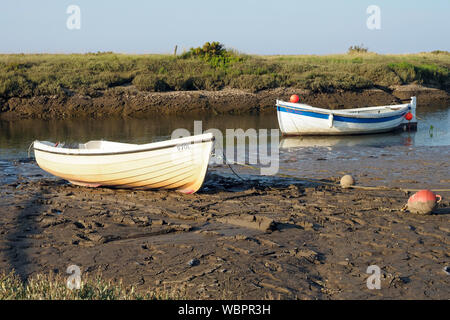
<point>341,118</point>
<point>348,114</point>
<point>154,148</point>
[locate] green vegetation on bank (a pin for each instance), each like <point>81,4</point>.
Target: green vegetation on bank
<point>212,67</point>
<point>53,287</point>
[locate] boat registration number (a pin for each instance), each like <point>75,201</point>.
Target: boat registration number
<point>183,146</point>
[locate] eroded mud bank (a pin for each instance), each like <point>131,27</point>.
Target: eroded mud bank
<point>130,102</point>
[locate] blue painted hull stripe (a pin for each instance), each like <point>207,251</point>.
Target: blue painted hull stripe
<point>339,118</point>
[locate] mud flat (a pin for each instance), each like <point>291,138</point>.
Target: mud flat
<point>127,101</point>
<point>271,238</point>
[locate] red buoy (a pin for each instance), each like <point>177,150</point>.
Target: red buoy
<point>294,98</point>
<point>423,202</point>
<point>409,116</point>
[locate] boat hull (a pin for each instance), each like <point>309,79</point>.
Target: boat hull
<point>181,165</point>
<point>303,121</point>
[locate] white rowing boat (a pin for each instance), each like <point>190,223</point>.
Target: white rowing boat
<point>179,164</point>
<point>302,119</point>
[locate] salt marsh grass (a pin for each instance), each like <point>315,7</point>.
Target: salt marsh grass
<point>26,75</point>
<point>53,287</point>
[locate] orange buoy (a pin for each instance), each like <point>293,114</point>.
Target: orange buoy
<point>409,116</point>
<point>294,98</point>
<point>423,202</point>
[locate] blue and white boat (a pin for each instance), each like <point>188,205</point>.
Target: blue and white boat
<point>302,119</point>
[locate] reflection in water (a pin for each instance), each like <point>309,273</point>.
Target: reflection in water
<point>373,140</point>
<point>16,136</point>
<point>316,157</point>
<point>433,130</point>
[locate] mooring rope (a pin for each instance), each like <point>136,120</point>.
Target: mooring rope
<point>337,184</point>
<point>231,168</point>
<point>29,149</point>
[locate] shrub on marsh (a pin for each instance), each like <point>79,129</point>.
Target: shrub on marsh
<point>254,82</point>
<point>379,74</point>
<point>15,85</point>
<point>214,53</point>
<point>440,52</point>
<point>433,74</point>
<point>357,49</point>
<point>404,70</point>
<point>326,81</point>
<point>151,82</point>
<point>424,73</point>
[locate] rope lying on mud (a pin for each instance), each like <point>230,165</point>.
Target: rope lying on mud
<point>406,190</point>
<point>231,168</point>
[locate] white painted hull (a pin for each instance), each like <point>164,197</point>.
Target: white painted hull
<point>179,164</point>
<point>301,119</point>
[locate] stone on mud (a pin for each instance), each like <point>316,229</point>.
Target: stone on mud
<point>252,222</point>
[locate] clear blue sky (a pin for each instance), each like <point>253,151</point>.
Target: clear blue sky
<point>250,26</point>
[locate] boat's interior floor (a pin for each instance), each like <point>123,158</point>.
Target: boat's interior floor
<point>360,111</point>
<point>374,111</point>
<point>91,145</point>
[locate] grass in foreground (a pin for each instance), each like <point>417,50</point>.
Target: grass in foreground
<point>53,287</point>
<point>212,67</point>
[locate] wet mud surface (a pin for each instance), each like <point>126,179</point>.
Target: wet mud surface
<point>272,238</point>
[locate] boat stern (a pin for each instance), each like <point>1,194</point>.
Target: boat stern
<point>410,124</point>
